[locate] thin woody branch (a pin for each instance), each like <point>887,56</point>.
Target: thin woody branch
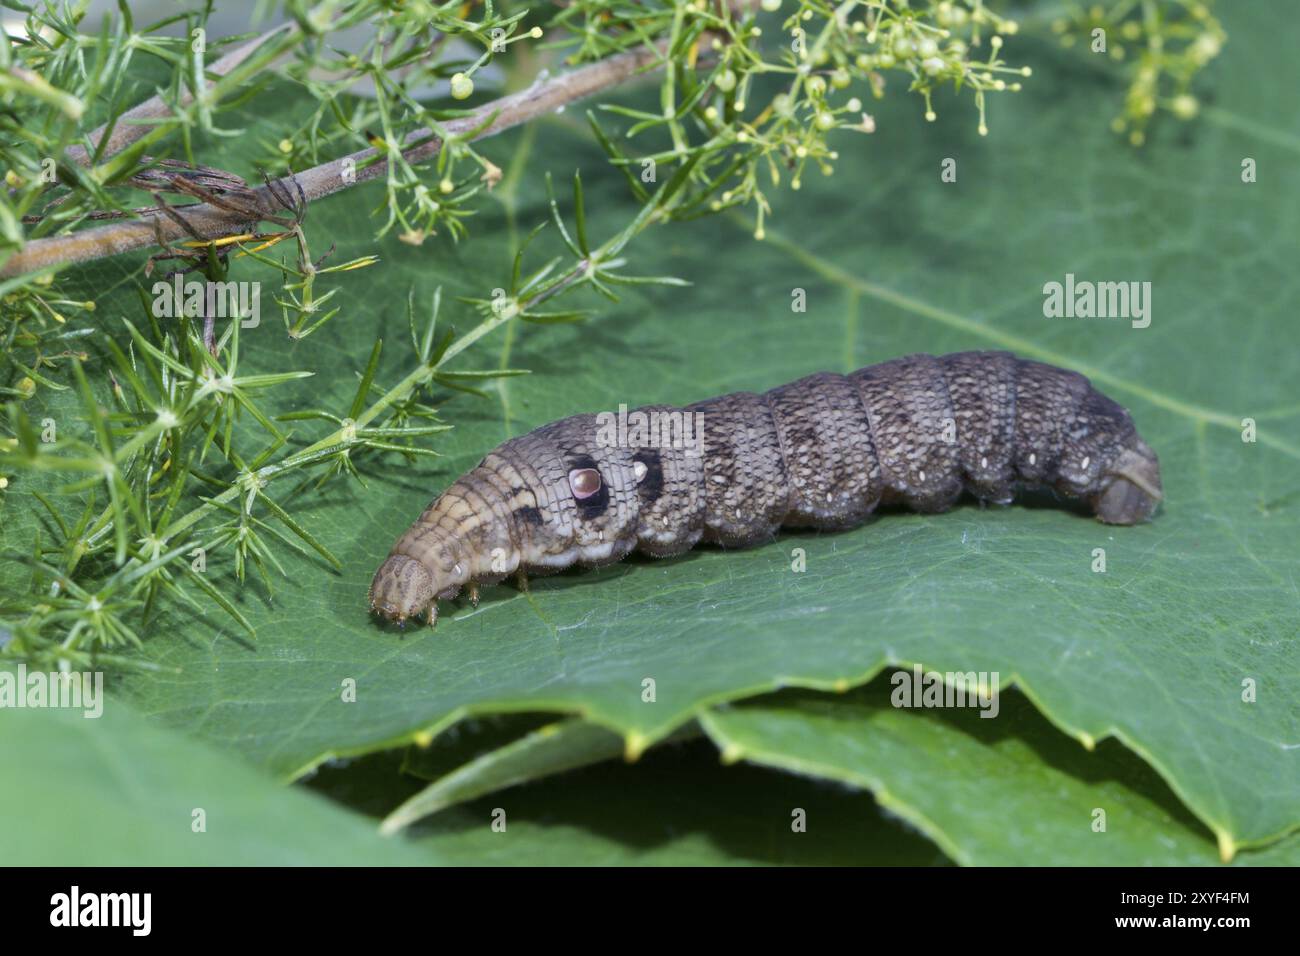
<point>208,221</point>
<point>132,124</point>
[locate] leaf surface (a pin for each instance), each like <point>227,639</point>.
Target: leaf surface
<point>1194,609</point>
<point>1005,791</point>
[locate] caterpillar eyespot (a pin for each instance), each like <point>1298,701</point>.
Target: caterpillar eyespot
<point>584,482</point>
<point>821,453</point>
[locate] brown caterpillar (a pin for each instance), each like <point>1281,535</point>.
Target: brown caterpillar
<point>821,452</point>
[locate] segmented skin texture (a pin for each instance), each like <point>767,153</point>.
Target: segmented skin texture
<point>821,452</point>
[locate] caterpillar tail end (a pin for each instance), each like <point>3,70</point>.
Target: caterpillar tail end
<point>1134,490</point>
<point>403,588</point>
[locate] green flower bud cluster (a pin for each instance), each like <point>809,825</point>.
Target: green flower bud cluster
<point>1163,50</point>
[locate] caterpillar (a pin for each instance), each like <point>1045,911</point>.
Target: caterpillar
<point>818,453</point>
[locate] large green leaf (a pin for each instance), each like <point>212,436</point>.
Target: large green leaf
<point>1006,791</point>
<point>542,751</point>
<point>1009,789</point>
<point>678,807</point>
<point>1154,651</point>
<point>115,790</point>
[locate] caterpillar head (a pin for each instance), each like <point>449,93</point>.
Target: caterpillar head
<point>463,538</point>
<point>1130,487</point>
<point>403,588</point>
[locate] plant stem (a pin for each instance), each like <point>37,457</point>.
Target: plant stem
<point>131,125</point>
<point>211,222</point>
<point>344,438</point>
